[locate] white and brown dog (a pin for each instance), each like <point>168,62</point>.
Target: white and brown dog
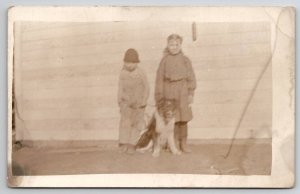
<point>160,130</point>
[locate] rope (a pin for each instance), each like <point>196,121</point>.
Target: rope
<point>255,86</point>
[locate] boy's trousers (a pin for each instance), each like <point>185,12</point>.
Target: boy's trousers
<point>131,124</point>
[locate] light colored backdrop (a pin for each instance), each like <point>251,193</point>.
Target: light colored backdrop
<point>67,76</point>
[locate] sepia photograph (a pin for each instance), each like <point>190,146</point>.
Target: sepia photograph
<point>172,98</point>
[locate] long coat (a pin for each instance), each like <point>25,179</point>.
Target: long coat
<point>133,93</point>
<point>175,79</point>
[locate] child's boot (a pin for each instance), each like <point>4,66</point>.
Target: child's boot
<point>130,149</point>
<point>184,146</point>
<point>177,135</point>
<point>123,148</point>
<point>183,141</point>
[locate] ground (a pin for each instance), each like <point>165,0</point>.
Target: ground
<point>247,157</point>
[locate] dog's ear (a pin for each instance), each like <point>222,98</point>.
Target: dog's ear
<point>160,103</point>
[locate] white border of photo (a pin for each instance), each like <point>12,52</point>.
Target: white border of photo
<point>282,20</point>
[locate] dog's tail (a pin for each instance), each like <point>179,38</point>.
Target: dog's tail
<point>148,135</point>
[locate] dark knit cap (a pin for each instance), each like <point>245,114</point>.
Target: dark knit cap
<point>131,56</point>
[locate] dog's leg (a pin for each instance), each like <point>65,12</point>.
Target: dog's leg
<point>172,144</point>
<point>149,146</point>
<point>156,147</point>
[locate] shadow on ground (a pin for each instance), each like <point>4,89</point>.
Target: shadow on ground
<point>246,158</point>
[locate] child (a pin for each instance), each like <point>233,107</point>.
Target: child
<point>133,94</point>
<point>175,79</point>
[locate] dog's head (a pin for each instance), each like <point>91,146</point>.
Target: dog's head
<point>166,108</point>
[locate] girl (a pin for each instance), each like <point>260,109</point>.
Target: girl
<point>175,79</point>
<point>133,94</point>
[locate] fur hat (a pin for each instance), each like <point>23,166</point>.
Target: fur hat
<point>131,56</point>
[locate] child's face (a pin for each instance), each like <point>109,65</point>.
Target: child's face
<point>130,66</point>
<point>174,46</point>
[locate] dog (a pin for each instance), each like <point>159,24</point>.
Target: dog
<point>160,130</point>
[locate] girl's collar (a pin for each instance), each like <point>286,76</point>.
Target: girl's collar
<point>167,53</point>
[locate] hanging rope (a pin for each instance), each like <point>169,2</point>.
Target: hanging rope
<point>255,86</point>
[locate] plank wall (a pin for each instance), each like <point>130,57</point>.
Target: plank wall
<point>66,76</point>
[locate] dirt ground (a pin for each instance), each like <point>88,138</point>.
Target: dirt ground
<point>245,158</point>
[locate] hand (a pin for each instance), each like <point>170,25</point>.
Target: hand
<point>190,99</point>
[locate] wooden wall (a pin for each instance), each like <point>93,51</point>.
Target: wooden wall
<point>66,76</point>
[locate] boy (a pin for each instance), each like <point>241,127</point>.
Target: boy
<point>133,94</point>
